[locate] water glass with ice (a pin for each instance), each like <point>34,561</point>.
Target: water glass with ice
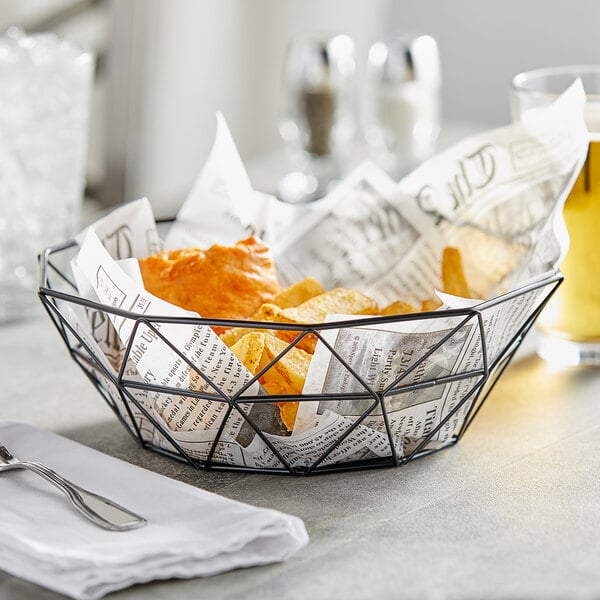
<point>45,96</point>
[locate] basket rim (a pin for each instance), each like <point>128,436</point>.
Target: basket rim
<point>44,260</point>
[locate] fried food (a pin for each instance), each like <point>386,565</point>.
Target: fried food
<point>398,308</point>
<point>430,304</point>
<point>453,275</point>
<point>286,376</point>
<point>291,296</point>
<point>343,301</point>
<point>226,282</point>
<point>315,310</point>
<point>298,293</point>
<point>288,411</point>
<point>240,282</point>
<point>231,336</point>
<point>249,350</point>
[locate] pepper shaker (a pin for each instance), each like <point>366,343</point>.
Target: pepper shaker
<point>320,123</point>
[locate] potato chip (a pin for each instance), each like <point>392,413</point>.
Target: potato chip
<point>398,308</point>
<point>315,310</point>
<point>288,374</point>
<point>430,304</point>
<point>453,275</point>
<point>249,350</point>
<point>288,412</point>
<point>298,293</point>
<point>231,336</point>
<point>342,301</point>
<point>256,350</point>
<point>291,296</point>
<point>269,312</point>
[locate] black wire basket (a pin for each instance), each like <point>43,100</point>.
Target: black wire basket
<point>362,411</point>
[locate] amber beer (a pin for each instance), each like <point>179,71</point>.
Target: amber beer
<point>570,324</point>
<point>574,311</point>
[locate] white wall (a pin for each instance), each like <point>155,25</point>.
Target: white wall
<point>483,43</point>
<point>195,57</point>
<point>201,56</point>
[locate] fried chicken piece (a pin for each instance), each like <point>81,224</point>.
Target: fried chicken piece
<point>225,282</point>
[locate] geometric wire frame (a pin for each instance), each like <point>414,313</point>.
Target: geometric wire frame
<point>57,292</point>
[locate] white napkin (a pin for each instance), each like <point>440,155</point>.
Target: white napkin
<point>190,532</point>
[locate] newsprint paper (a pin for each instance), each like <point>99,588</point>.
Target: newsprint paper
<point>497,196</point>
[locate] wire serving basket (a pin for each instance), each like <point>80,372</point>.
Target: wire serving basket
<point>367,421</point>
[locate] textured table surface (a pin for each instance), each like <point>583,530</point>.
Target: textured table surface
<point>512,511</point>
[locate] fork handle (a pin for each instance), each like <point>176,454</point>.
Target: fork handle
<point>100,510</point>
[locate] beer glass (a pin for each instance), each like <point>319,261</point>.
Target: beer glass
<point>570,324</point>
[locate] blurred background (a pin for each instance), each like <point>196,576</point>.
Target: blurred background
<point>165,67</point>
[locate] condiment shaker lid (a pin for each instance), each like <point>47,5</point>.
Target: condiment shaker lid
<point>399,59</point>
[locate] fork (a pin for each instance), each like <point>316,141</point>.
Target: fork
<point>103,512</point>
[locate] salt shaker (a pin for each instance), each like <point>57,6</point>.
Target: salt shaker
<point>402,104</point>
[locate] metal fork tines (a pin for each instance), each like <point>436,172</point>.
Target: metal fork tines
<point>100,510</point>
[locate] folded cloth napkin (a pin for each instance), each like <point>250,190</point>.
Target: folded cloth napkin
<point>190,532</point>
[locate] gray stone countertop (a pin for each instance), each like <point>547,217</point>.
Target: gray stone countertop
<point>512,511</point>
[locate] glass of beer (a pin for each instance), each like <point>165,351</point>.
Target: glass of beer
<point>570,324</point>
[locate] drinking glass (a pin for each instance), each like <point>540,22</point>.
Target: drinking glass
<point>45,91</point>
<point>320,122</point>
<point>402,102</point>
<point>570,324</point>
